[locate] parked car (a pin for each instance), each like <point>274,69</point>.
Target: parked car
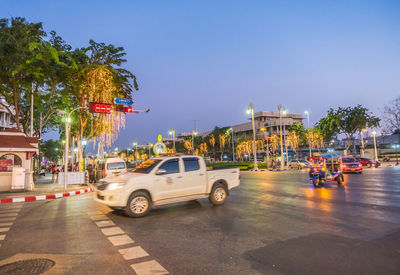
<point>298,164</point>
<point>351,165</point>
<point>369,162</point>
<point>164,180</point>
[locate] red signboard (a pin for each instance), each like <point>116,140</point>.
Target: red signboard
<point>4,164</point>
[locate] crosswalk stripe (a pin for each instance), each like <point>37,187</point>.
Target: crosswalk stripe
<point>149,268</point>
<point>105,223</point>
<point>112,231</point>
<point>133,253</point>
<point>120,240</point>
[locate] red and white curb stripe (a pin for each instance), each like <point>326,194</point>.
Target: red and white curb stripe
<point>47,197</point>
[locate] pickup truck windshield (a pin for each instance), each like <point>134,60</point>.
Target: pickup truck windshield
<point>146,166</point>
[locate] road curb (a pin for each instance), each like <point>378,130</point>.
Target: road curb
<point>47,197</point>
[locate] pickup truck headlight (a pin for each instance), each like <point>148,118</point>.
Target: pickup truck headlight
<point>115,186</point>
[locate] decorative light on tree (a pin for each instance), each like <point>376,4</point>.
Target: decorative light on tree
<point>99,87</point>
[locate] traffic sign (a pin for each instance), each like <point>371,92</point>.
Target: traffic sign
<point>123,101</point>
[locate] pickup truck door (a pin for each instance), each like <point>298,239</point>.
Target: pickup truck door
<point>169,184</point>
<point>195,178</point>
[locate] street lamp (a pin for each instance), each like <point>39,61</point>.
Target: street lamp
<point>194,133</point>
<point>397,146</point>
<point>134,149</point>
<point>280,107</point>
<point>67,122</point>
<point>308,125</point>
<point>172,133</point>
<point>250,110</point>
<point>362,142</point>
<point>150,145</point>
<point>233,143</point>
<point>307,113</point>
<point>375,152</point>
<point>263,129</point>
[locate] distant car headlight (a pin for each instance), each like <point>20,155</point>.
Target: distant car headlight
<point>360,165</point>
<point>115,186</point>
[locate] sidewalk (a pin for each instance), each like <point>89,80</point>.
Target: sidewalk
<point>44,187</point>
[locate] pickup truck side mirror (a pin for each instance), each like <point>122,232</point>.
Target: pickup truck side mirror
<point>161,172</point>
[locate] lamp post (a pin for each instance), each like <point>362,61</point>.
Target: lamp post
<point>233,145</point>
<point>67,117</point>
<point>150,145</point>
<point>172,132</point>
<point>308,126</point>
<point>280,107</point>
<point>397,146</point>
<point>375,152</point>
<point>308,118</point>
<point>194,133</point>
<point>250,110</point>
<point>284,112</point>
<point>362,143</point>
<point>134,149</point>
<point>263,129</point>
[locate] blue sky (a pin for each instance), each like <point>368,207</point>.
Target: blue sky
<point>207,60</point>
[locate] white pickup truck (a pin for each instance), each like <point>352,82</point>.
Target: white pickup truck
<point>164,180</point>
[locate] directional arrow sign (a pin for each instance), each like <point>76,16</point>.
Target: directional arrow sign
<point>123,101</point>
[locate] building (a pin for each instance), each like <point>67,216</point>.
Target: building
<point>16,164</point>
<point>267,124</point>
<point>5,116</point>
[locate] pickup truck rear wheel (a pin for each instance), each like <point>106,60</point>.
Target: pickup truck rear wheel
<point>218,194</point>
<point>138,204</point>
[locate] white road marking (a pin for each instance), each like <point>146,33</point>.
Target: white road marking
<point>112,231</point>
<point>99,217</point>
<point>6,224</point>
<point>2,237</point>
<point>133,253</point>
<point>8,214</point>
<point>4,229</point>
<point>104,223</point>
<point>149,268</point>
<point>7,219</point>
<point>120,240</point>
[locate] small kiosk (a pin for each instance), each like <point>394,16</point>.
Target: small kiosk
<point>16,167</point>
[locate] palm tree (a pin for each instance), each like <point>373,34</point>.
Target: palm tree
<point>293,141</point>
<point>188,146</point>
<point>222,140</point>
<point>211,140</point>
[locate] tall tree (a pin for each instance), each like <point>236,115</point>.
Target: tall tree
<point>16,35</point>
<point>347,121</point>
<point>392,117</point>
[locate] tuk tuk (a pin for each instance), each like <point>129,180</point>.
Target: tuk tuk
<point>325,168</point>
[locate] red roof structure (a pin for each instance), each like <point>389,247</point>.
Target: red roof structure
<point>14,140</point>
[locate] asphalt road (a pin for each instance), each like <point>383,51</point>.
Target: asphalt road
<point>274,223</point>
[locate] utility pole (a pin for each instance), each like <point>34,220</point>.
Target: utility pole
<point>66,147</point>
<point>233,145</point>
<point>32,102</point>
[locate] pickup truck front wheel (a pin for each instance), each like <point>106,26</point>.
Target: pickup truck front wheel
<point>138,205</point>
<point>218,194</point>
